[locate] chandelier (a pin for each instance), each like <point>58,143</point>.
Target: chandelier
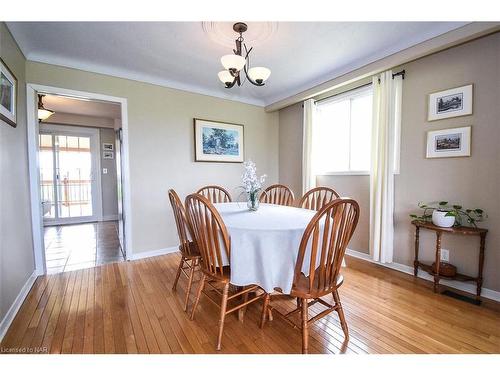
<point>236,63</point>
<point>43,113</point>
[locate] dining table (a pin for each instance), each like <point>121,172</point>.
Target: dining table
<point>264,243</point>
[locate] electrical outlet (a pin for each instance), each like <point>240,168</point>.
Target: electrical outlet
<point>445,255</point>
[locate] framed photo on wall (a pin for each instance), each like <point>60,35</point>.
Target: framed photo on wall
<point>108,155</point>
<point>108,147</point>
<point>218,141</point>
<point>8,95</point>
<point>450,103</point>
<point>448,143</point>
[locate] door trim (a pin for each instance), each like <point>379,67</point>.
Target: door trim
<point>33,165</point>
<point>95,139</point>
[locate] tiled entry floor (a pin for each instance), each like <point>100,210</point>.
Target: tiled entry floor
<point>78,246</point>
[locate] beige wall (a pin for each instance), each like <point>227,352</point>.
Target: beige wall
<point>290,147</point>
<point>161,144</point>
<point>16,244</point>
<point>473,181</point>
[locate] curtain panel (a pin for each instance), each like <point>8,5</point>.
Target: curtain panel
<point>308,174</point>
<point>384,162</point>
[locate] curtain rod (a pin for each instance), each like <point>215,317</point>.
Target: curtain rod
<point>340,93</point>
<point>401,73</point>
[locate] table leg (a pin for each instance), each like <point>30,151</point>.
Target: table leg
<point>417,244</point>
<point>480,268</point>
<point>438,260</point>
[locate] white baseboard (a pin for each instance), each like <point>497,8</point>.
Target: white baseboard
<point>465,287</point>
<point>16,305</point>
<point>153,253</point>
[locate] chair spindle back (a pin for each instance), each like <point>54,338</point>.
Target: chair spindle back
<point>315,199</point>
<point>278,194</point>
<point>184,230</point>
<point>210,234</point>
<point>325,241</point>
<point>215,194</point>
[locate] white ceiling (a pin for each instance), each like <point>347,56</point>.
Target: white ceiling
<point>185,55</point>
<point>94,108</point>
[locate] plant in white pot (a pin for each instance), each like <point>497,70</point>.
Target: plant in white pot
<point>444,215</point>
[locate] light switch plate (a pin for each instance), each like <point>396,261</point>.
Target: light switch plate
<point>105,171</point>
<point>445,255</point>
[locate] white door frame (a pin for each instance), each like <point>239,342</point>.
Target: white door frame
<point>95,148</point>
<point>34,176</point>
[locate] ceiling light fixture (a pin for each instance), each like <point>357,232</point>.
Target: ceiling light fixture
<point>43,114</point>
<point>236,63</point>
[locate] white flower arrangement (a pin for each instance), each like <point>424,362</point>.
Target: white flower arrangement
<point>251,183</point>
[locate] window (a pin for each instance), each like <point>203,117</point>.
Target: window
<point>342,133</point>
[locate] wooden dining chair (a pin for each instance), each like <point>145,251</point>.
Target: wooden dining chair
<point>278,194</point>
<point>215,194</point>
<point>214,243</point>
<point>315,199</point>
<point>321,251</point>
<point>190,256</point>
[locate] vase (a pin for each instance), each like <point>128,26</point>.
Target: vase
<point>253,201</point>
<point>440,219</point>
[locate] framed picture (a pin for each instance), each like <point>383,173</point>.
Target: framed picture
<point>218,141</point>
<point>8,95</point>
<point>108,155</point>
<point>108,147</point>
<point>448,143</point>
<point>450,103</point>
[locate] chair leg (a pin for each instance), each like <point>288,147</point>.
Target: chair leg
<point>265,307</point>
<point>241,312</point>
<point>222,315</point>
<point>198,295</point>
<point>305,329</point>
<point>194,263</point>
<point>340,311</point>
<point>179,269</point>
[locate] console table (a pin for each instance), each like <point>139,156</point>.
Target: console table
<point>461,230</point>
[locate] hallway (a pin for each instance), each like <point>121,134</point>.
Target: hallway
<point>79,246</point>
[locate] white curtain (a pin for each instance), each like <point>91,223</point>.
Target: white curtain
<point>384,162</point>
<point>308,175</point>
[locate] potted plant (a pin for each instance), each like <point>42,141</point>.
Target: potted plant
<point>443,214</point>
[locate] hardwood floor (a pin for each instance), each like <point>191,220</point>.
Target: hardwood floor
<point>129,307</point>
<point>78,246</point>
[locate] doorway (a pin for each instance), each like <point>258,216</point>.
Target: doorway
<point>71,162</point>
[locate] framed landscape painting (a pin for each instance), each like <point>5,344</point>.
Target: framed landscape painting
<point>448,143</point>
<point>450,103</point>
<point>218,141</point>
<point>8,95</point>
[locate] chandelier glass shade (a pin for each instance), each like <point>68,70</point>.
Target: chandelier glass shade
<point>43,113</point>
<point>259,74</point>
<point>235,62</point>
<point>238,63</point>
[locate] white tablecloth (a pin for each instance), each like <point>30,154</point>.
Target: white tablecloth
<point>264,243</point>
